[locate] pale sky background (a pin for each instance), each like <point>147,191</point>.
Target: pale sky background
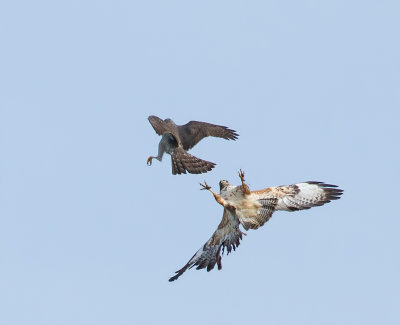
<point>89,234</point>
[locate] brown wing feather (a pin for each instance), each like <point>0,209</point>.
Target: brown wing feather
<point>158,125</point>
<point>227,235</point>
<point>194,131</point>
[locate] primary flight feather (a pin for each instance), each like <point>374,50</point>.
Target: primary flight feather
<point>178,139</point>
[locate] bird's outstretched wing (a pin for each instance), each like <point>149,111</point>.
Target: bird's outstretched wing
<point>300,196</point>
<point>227,235</point>
<point>183,161</point>
<point>192,132</point>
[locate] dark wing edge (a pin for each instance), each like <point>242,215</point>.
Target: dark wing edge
<point>332,192</point>
<point>193,132</point>
<point>227,235</point>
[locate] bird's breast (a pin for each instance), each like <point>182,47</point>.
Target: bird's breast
<point>244,203</point>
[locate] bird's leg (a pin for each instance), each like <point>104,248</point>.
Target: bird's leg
<point>161,150</point>
<point>241,176</point>
<point>245,187</point>
<point>217,197</point>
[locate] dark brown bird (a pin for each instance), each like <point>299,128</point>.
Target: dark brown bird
<point>178,139</point>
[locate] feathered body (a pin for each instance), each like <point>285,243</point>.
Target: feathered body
<point>252,209</point>
<point>178,139</point>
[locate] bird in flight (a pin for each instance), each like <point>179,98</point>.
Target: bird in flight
<point>178,139</point>
<point>252,209</point>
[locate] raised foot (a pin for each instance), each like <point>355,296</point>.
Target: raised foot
<point>205,186</point>
<point>241,175</point>
<point>149,160</point>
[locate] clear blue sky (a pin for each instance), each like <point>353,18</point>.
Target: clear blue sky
<point>89,234</point>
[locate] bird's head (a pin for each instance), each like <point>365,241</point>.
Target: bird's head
<point>223,184</point>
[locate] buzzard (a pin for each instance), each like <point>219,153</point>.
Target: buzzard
<point>252,209</point>
<point>178,139</point>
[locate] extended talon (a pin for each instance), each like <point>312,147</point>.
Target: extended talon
<point>205,186</point>
<point>241,175</point>
<point>149,161</point>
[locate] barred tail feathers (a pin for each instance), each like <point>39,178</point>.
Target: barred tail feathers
<point>183,162</point>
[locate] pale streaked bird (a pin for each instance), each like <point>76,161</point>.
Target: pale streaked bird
<point>252,209</point>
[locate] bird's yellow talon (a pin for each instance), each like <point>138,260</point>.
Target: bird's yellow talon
<point>241,175</point>
<point>205,186</point>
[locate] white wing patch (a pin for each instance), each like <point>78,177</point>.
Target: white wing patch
<point>307,195</point>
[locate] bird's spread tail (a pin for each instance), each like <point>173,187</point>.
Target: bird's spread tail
<point>183,161</point>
